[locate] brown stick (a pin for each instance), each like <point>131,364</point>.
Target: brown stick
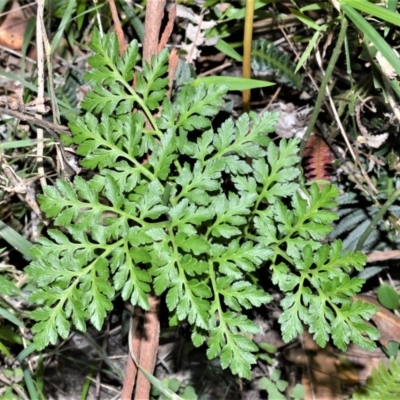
<point>168,29</point>
<point>383,255</point>
<point>148,347</point>
<point>49,126</point>
<point>173,57</point>
<point>154,16</point>
<point>173,62</point>
<point>134,344</point>
<point>151,328</point>
<point>118,28</point>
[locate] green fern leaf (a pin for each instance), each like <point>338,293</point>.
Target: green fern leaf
<point>268,60</point>
<point>384,382</point>
<point>188,215</point>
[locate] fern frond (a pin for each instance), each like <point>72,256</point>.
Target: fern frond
<point>160,214</point>
<point>384,383</point>
<point>353,237</point>
<point>350,219</point>
<point>318,158</point>
<point>269,60</point>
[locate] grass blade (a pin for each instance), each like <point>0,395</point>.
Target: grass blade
<point>15,240</point>
<point>373,36</point>
<point>370,8</point>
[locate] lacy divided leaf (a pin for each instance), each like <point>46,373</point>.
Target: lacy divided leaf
<point>192,211</point>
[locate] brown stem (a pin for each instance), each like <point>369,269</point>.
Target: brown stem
<point>168,29</point>
<point>118,28</point>
<point>154,16</point>
<point>134,344</point>
<point>147,355</point>
<point>148,347</point>
<point>383,255</point>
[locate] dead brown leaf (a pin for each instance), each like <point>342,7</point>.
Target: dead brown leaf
<point>387,323</point>
<point>320,375</point>
<point>12,29</point>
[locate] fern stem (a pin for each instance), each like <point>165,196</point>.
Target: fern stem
<point>217,302</point>
<point>281,253</point>
<point>376,219</point>
<point>324,83</point>
<point>136,163</point>
<point>143,106</point>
